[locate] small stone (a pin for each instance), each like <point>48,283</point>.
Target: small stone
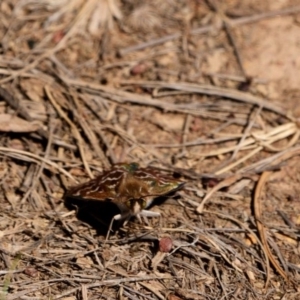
<point>165,244</point>
<point>32,272</point>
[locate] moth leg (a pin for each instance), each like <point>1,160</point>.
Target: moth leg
<point>115,218</point>
<point>147,213</point>
<point>138,216</point>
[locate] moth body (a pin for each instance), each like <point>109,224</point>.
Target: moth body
<point>130,187</point>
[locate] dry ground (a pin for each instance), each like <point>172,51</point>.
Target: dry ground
<point>206,89</point>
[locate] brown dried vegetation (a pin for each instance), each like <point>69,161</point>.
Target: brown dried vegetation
<point>208,90</point>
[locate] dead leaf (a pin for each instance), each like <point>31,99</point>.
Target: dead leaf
<point>34,89</point>
<point>173,122</point>
<point>84,262</point>
<point>9,123</point>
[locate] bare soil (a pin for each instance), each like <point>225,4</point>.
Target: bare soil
<point>205,90</point>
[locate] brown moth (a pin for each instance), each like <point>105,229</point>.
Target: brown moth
<point>128,186</point>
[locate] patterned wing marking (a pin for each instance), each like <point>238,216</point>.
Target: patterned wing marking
<point>100,188</point>
<point>126,180</point>
<point>158,184</point>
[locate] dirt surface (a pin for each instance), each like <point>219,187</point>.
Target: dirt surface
<point>205,91</point>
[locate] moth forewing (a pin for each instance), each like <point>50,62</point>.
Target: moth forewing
<point>129,187</point>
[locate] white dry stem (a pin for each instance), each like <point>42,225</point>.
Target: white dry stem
<point>104,13</point>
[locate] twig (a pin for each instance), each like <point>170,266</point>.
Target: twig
<point>238,147</point>
<point>112,282</point>
<point>60,45</point>
<point>38,158</point>
<point>208,28</point>
<point>272,161</point>
<point>242,226</point>
<point>212,91</point>
<point>126,97</point>
<point>14,102</point>
<point>74,129</point>
<point>40,171</point>
<point>227,26</point>
<point>260,228</point>
<point>90,134</point>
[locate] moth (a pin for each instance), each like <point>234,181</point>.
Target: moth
<point>128,186</point>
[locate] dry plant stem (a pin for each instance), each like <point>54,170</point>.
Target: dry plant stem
<point>224,183</point>
<point>127,97</point>
<point>59,46</point>
<point>212,91</point>
<point>222,253</point>
<point>14,103</point>
<point>130,139</point>
<point>99,131</point>
<point>239,146</point>
<point>246,133</point>
<point>227,28</point>
<point>234,77</point>
<point>153,289</point>
<point>261,139</point>
<point>157,259</point>
<point>208,28</point>
<point>20,295</point>
<point>260,227</point>
<point>196,142</point>
<point>279,158</point>
<point>292,130</point>
<point>84,292</point>
<point>110,282</point>
<point>116,94</point>
<point>136,292</point>
<point>42,166</point>
<point>242,160</point>
<point>220,281</point>
<point>269,162</point>
<point>250,231</point>
<point>74,129</point>
<point>186,129</point>
<point>278,253</point>
<point>231,38</point>
<point>90,134</point>
<point>37,159</point>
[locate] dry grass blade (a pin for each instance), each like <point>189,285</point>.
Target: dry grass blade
<point>246,133</point>
<point>261,230</point>
<point>188,108</point>
<point>35,158</point>
<point>271,161</point>
<point>246,172</point>
<point>247,229</point>
<point>14,102</point>
<point>15,124</point>
<point>112,282</point>
<point>74,129</point>
<point>208,28</point>
<point>90,134</point>
<point>213,91</point>
<point>224,183</point>
<point>40,171</point>
<point>262,138</point>
<point>103,14</point>
<point>84,13</point>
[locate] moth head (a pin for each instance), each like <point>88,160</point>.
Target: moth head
<point>136,205</point>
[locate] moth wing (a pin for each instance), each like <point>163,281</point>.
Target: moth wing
<point>158,184</point>
<point>90,191</point>
<point>101,188</point>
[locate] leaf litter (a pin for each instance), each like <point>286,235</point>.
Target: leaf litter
<point>82,88</point>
